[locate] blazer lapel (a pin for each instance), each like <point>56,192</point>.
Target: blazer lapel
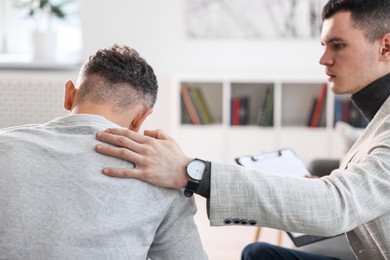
<point>367,134</point>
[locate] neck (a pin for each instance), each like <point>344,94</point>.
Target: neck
<point>123,119</point>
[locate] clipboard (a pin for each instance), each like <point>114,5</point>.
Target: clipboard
<point>281,162</point>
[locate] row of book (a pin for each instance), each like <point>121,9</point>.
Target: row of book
<point>196,111</point>
<point>194,108</point>
<point>317,114</point>
<point>344,110</point>
<point>240,109</point>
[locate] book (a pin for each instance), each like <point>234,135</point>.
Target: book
<point>201,106</point>
<point>189,105</point>
<point>239,107</point>
<point>269,112</point>
<point>313,106</point>
<point>244,110</point>
<point>261,113</point>
<point>266,113</point>
<point>319,107</point>
<point>185,117</point>
<point>235,111</point>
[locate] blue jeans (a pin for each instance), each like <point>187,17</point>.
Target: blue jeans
<point>265,251</point>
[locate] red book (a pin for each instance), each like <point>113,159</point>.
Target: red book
<point>319,107</point>
<point>235,120</point>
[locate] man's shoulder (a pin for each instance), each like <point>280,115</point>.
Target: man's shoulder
<point>18,128</point>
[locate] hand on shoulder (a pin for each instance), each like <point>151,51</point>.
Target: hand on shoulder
<point>157,157</point>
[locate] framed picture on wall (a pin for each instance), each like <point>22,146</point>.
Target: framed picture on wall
<point>253,19</point>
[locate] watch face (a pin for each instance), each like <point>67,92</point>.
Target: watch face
<point>195,169</point>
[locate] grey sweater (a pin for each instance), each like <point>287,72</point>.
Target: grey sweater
<point>56,204</point>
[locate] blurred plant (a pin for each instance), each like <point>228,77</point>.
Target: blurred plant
<point>53,8</point>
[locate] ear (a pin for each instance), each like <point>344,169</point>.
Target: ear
<point>139,119</point>
<point>385,50</point>
<point>70,92</point>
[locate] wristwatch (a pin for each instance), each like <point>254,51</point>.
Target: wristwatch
<point>195,170</point>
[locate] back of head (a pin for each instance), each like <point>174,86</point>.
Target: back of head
<point>120,76</point>
<point>371,16</point>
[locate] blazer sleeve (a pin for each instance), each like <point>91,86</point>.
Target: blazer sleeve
<point>177,237</point>
<point>327,206</point>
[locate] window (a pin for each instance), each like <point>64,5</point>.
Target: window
<point>17,29</point>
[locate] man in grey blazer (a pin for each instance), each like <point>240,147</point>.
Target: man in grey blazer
<point>55,204</point>
<point>352,200</point>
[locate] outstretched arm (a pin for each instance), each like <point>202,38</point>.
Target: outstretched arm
<point>157,157</point>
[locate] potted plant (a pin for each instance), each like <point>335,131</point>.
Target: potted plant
<point>44,35</point>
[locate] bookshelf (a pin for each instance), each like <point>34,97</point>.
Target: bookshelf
<point>211,99</point>
<point>276,112</point>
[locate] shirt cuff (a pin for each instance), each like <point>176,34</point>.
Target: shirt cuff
<point>204,184</point>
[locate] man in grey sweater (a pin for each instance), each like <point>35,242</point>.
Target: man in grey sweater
<point>54,201</point>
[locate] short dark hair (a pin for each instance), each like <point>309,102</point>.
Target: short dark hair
<point>371,16</point>
<point>118,74</point>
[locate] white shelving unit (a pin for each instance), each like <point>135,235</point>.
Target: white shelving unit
<point>292,103</point>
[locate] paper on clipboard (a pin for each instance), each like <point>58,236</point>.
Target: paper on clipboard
<point>281,162</point>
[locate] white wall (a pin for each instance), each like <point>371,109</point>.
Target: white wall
<point>157,30</point>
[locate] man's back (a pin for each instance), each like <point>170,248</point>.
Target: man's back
<point>56,204</point>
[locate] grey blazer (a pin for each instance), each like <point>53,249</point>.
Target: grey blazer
<point>354,199</point>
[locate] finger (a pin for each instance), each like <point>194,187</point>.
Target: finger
<point>117,140</point>
<point>122,172</point>
<point>157,134</point>
<point>137,174</point>
<point>122,153</point>
<point>151,133</point>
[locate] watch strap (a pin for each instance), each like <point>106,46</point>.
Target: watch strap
<point>191,187</point>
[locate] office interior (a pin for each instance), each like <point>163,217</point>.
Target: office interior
<point>159,31</point>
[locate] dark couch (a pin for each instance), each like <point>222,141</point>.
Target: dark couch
<point>322,167</point>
